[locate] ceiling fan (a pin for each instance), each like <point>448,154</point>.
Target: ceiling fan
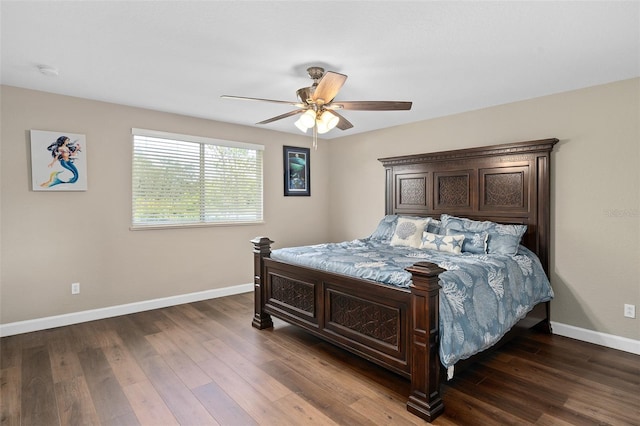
<point>317,107</point>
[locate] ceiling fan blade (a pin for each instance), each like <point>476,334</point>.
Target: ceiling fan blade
<point>242,98</point>
<point>328,87</point>
<point>343,124</point>
<point>281,116</point>
<point>371,105</point>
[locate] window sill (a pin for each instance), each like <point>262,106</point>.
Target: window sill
<point>192,225</point>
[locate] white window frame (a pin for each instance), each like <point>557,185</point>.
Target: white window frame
<point>203,220</point>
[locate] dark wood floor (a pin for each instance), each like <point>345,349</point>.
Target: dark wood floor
<point>203,364</point>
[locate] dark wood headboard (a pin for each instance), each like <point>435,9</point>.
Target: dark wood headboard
<point>502,183</point>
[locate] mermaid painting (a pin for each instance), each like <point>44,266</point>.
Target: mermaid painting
<point>63,151</point>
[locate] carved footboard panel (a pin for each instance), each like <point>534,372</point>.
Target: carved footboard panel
<point>369,319</point>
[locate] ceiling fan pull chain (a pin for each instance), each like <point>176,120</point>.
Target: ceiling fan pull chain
<point>315,136</point>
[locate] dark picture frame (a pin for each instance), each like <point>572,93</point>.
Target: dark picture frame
<point>297,171</point>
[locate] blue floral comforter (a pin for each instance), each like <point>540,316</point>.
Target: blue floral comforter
<point>482,295</point>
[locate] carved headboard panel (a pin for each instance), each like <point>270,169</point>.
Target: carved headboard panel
<point>503,183</point>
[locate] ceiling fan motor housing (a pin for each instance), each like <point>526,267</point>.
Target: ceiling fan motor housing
<point>305,94</point>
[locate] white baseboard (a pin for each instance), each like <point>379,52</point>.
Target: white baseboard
<point>603,339</point>
<point>114,311</point>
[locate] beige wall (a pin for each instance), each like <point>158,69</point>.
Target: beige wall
<point>50,240</point>
<point>595,189</point>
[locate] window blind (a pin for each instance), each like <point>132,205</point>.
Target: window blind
<point>190,180</point>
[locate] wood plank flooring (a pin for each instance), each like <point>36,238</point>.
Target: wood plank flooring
<point>203,364</point>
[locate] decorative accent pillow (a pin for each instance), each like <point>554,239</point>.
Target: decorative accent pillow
<point>385,228</point>
<point>448,243</point>
<point>503,239</point>
<point>474,242</point>
<point>409,231</point>
<point>434,226</point>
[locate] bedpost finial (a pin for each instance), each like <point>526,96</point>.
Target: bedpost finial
<point>261,240</point>
<point>262,244</point>
<point>425,268</point>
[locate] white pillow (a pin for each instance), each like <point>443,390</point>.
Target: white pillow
<point>448,243</point>
<point>409,232</point>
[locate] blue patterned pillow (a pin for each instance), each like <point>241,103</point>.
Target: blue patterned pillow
<point>448,243</point>
<point>434,226</point>
<point>385,228</point>
<point>409,231</point>
<point>503,239</point>
<point>474,242</point>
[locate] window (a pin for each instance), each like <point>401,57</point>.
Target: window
<point>189,180</point>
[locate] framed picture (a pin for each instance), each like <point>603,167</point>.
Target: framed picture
<point>58,161</point>
<point>297,178</point>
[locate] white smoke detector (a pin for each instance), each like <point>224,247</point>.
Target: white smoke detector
<point>48,70</point>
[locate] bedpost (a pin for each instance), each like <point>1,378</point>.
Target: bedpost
<point>425,400</point>
<point>261,249</point>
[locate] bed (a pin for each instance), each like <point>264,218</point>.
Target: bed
<point>399,326</point>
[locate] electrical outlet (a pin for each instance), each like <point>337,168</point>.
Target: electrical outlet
<point>629,311</point>
<point>75,288</point>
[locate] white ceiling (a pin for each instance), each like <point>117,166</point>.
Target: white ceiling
<point>446,57</point>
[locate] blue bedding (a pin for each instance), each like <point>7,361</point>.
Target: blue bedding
<point>482,295</point>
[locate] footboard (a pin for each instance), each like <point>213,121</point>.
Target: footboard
<point>395,328</point>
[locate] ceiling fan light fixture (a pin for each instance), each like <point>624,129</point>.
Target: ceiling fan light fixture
<point>322,127</point>
<point>308,119</point>
<point>329,119</point>
<point>301,126</point>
